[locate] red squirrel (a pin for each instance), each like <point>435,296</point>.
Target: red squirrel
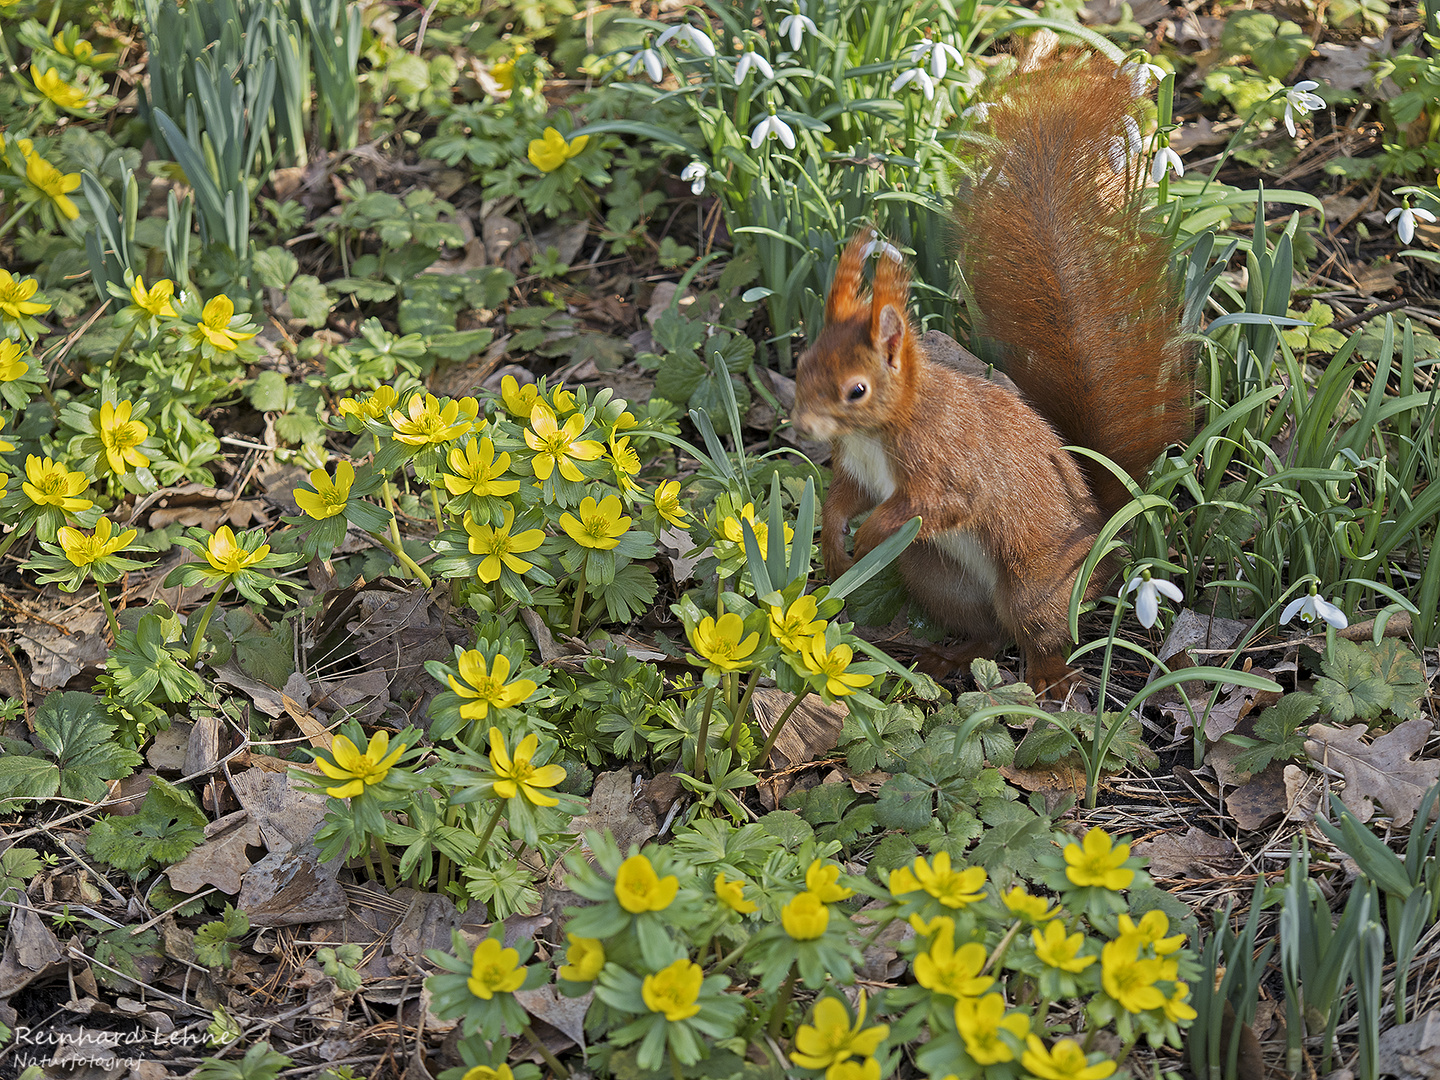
<point>1077,292</point>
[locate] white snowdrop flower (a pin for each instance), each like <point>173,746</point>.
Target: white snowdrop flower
<point>1147,599</point>
<point>1141,74</point>
<point>685,32</point>
<point>1165,160</point>
<point>1124,149</point>
<point>940,55</point>
<point>654,66</point>
<point>1407,215</point>
<point>919,78</point>
<point>695,172</point>
<point>979,112</point>
<point>795,24</point>
<point>755,60</point>
<point>1301,100</point>
<point>1312,608</point>
<point>772,126</point>
<point>882,247</point>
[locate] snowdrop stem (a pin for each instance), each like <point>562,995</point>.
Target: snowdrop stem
<point>1099,743</point>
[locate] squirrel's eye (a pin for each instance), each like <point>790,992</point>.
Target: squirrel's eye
<point>857,392</point>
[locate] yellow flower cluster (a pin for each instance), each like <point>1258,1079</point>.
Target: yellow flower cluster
<point>807,916</point>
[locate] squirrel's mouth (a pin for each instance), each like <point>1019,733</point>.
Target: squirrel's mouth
<point>813,425</point>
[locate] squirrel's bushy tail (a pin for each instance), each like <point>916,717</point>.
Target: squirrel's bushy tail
<point>1068,277</point>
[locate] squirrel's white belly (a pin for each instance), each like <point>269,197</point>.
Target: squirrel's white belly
<point>981,575</point>
<point>865,459</point>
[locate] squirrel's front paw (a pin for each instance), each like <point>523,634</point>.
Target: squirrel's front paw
<point>837,564</point>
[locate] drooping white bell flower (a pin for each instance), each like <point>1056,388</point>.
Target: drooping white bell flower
<point>1405,229</point>
<point>654,65</point>
<point>755,60</point>
<point>695,172</point>
<point>1299,99</point>
<point>1148,590</point>
<point>795,24</point>
<point>919,77</point>
<point>698,39</point>
<point>1165,160</point>
<point>772,127</point>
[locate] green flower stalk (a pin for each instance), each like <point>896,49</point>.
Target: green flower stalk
<point>230,560</point>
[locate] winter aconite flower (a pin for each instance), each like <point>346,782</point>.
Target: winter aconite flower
<point>830,1039</point>
<point>381,400</point>
<point>1176,1007</point>
<point>1098,862</point>
<point>1064,1061</point>
<point>733,531</point>
<point>559,446</point>
<point>1035,908</point>
<point>54,185</point>
<point>1129,979</point>
<point>426,421</point>
<point>48,483</point>
<point>1150,933</point>
<point>475,470</point>
<point>486,1072</point>
<point>494,969</point>
<point>674,990</point>
<point>833,666</point>
<point>500,547</point>
<point>551,150</point>
<point>15,294</point>
<point>227,555</point>
<point>793,627</point>
<point>82,550</point>
<point>638,888</point>
<point>953,888</point>
<point>1298,98</point>
<point>121,436</point>
<point>53,86</point>
<point>12,366</point>
<point>1147,602</point>
<point>668,506</point>
<point>1313,608</point>
<point>948,970</point>
<point>583,960</point>
<point>596,525</point>
<point>330,496</point>
<point>805,918</point>
<point>519,776</point>
<point>822,879</point>
<point>980,1021</point>
<point>722,643</point>
<point>1058,951</point>
<point>358,769</point>
<point>732,895</point>
<point>772,127</point>
<point>1407,215</point>
<point>156,301</point>
<point>214,326</point>
<point>487,688</point>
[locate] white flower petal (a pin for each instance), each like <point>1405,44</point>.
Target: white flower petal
<point>782,129</point>
<point>1331,614</point>
<point>1134,583</point>
<point>1147,607</point>
<point>1423,215</point>
<point>1168,588</point>
<point>1292,607</point>
<point>1305,85</point>
<point>654,66</point>
<point>1289,119</point>
<point>1393,214</point>
<point>1405,227</point>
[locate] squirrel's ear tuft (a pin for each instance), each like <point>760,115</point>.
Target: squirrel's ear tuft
<point>889,319</point>
<point>844,301</point>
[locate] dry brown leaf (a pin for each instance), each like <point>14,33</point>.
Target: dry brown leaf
<point>1195,853</point>
<point>613,806</point>
<point>1260,800</point>
<point>1302,793</point>
<point>220,861</point>
<point>1381,771</point>
<point>1412,1051</point>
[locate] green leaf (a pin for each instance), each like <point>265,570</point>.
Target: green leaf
<point>213,940</point>
<point>1353,686</point>
<point>905,803</point>
<point>268,393</point>
<point>168,825</point>
<point>1405,674</point>
<point>74,728</point>
<point>274,267</point>
<point>1273,46</point>
<point>27,776</point>
<point>788,827</point>
<point>1276,733</point>
<point>310,301</point>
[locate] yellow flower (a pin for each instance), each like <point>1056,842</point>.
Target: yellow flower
<point>805,917</point>
<point>793,627</point>
<point>1059,951</point>
<point>488,689</point>
<point>600,525</point>
<point>719,642</point>
<point>953,888</point>
<point>330,496</point>
<point>980,1021</point>
<point>831,1039</point>
<point>494,969</point>
<point>667,504</point>
<point>225,553</point>
<point>1176,1007</point>
<point>674,990</point>
<point>519,400</point>
<point>1035,908</point>
<point>58,90</point>
<point>500,547</point>
<point>485,1072</point>
<point>83,550</point>
<point>156,300</point>
<point>1128,979</point>
<point>475,470</point>
<point>626,462</point>
<point>215,321</point>
<point>948,970</point>
<point>583,960</point>
<point>15,296</point>
<point>1151,932</point>
<point>53,184</point>
<point>520,777</point>
<point>12,366</point>
<point>821,879</point>
<point>427,422</point>
<point>550,151</point>
<point>48,483</point>
<point>357,769</point>
<point>1065,1061</point>
<point>381,400</point>
<point>1098,862</point>
<point>5,447</point>
<point>833,665</point>
<point>639,888</point>
<point>864,1069</point>
<point>504,74</point>
<point>121,436</point>
<point>732,895</point>
<point>736,535</point>
<point>557,446</point>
